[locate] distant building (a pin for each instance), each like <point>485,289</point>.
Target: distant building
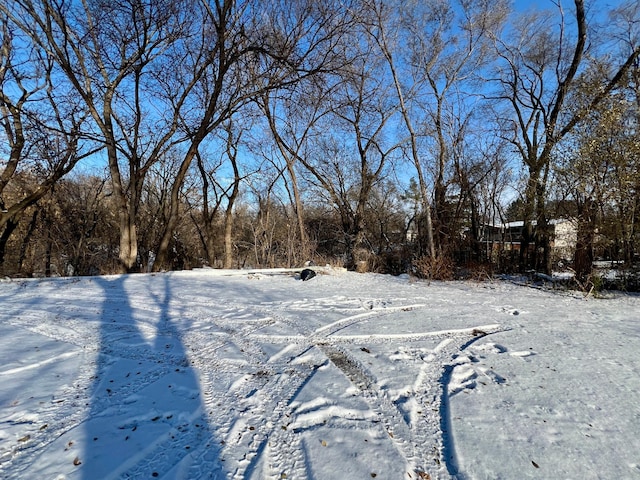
<point>507,237</point>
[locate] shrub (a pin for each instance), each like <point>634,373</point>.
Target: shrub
<point>440,267</point>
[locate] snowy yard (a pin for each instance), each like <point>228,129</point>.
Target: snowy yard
<point>192,375</point>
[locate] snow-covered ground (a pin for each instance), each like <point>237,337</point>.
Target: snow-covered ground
<point>346,376</point>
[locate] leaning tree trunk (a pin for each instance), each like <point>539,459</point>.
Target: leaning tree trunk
<point>162,260</point>
<point>27,239</point>
<point>9,228</point>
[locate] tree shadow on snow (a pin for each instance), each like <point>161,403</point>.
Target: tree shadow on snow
<point>147,418</point>
<point>446,426</point>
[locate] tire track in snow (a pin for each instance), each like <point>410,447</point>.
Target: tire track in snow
<point>276,445</point>
<point>261,408</point>
<point>255,405</point>
<point>421,440</point>
<point>258,403</point>
<point>388,415</point>
<point>262,437</point>
<point>194,446</point>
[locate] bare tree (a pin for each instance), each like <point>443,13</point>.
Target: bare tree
<point>206,208</point>
<point>85,236</point>
<point>356,145</point>
<point>537,73</point>
<point>231,192</point>
<point>105,50</point>
<point>432,50</point>
<point>291,117</point>
<point>599,175</point>
<point>41,125</point>
<point>247,55</point>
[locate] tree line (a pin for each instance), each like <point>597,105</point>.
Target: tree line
<point>383,135</point>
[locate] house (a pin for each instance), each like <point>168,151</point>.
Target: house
<point>507,237</point>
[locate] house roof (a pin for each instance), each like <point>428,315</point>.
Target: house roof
<point>520,223</point>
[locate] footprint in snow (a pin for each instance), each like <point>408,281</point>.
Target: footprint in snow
<point>496,348</point>
<point>523,354</point>
<point>490,347</point>
<point>468,370</point>
<point>462,378</point>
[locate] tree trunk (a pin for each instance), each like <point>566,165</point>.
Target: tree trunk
<point>161,261</point>
<point>128,255</point>
<point>546,265</point>
<point>442,216</point>
<point>210,245</point>
<point>27,238</point>
<point>228,244</point>
<point>475,230</point>
<point>527,238</point>
<point>304,238</point>
<point>426,207</point>
<point>583,256</point>
<point>289,153</point>
<point>9,228</point>
<point>47,257</point>
<point>228,221</point>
